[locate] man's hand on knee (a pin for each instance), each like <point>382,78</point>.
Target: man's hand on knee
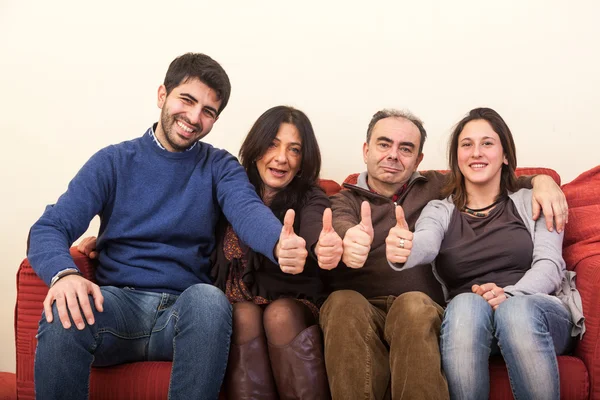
<point>70,294</point>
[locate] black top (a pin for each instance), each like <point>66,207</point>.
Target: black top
<point>476,250</point>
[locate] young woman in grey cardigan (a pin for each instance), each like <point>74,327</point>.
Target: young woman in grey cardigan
<point>502,273</point>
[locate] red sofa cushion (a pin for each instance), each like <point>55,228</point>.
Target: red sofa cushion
<point>329,186</point>
<point>574,380</point>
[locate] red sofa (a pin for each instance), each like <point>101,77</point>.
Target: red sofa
<point>579,372</point>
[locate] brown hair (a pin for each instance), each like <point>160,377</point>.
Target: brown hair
<point>199,66</point>
<point>508,180</point>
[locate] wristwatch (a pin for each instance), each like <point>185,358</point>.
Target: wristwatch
<point>63,273</point>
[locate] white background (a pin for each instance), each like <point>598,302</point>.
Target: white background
<point>76,76</point>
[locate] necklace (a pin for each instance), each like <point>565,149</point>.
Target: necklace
<point>478,211</point>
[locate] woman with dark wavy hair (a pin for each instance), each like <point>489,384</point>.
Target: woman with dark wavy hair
<point>276,349</point>
<point>507,289</point>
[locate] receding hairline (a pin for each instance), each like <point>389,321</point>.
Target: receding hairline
<point>397,117</point>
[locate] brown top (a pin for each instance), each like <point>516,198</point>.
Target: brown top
<point>376,278</point>
<point>476,250</point>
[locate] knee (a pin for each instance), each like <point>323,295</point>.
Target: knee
<point>515,310</point>
<point>469,308</point>
<point>205,304</point>
<point>205,293</point>
<point>413,309</point>
<point>54,337</point>
<point>468,320</point>
<point>345,307</point>
<point>343,301</point>
<point>515,317</point>
<point>283,312</point>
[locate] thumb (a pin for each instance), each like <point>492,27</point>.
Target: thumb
<point>400,219</point>
<point>365,216</point>
<point>288,223</point>
<point>327,221</point>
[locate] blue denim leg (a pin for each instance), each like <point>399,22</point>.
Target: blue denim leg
<point>195,333</point>
<point>138,326</point>
<point>120,334</point>
<point>466,341</point>
<point>531,330</point>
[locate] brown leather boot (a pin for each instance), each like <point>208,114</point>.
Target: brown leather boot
<point>249,375</point>
<point>299,367</point>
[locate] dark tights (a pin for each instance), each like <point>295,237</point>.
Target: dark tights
<point>281,321</point>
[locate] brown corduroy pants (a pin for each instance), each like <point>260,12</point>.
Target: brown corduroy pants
<point>382,346</point>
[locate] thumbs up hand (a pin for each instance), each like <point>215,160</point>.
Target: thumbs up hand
<point>358,239</point>
<point>329,248</point>
<point>399,241</point>
<point>291,248</point>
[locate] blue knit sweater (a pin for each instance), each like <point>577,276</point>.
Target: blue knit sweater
<point>158,213</point>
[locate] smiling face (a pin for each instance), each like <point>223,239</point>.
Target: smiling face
<point>281,162</point>
<point>480,154</point>
<point>392,154</point>
<point>188,114</point>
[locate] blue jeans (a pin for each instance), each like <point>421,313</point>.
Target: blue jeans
<point>527,330</point>
<point>192,329</point>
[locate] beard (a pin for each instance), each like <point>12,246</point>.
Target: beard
<point>167,121</point>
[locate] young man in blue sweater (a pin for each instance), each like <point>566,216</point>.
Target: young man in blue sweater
<point>159,198</point>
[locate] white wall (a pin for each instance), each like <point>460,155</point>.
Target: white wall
<point>76,76</point>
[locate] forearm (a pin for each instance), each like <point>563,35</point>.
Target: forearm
<point>547,268</point>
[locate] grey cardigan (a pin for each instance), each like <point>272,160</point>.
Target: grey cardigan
<point>547,275</point>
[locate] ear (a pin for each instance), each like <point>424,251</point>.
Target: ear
<point>162,96</point>
<point>505,161</point>
<point>365,151</point>
<point>419,159</point>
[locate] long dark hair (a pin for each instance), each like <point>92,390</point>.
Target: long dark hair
<point>508,179</point>
<point>256,144</point>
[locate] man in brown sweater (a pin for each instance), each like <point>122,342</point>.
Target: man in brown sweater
<point>381,327</point>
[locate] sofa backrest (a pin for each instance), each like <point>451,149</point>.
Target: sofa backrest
<point>352,178</point>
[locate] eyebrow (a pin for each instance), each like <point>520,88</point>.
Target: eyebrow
<point>388,140</point>
<point>192,98</point>
<point>189,96</point>
<point>292,143</point>
<point>483,138</point>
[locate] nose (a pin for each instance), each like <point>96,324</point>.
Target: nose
<point>393,154</point>
<point>280,155</point>
<point>195,115</point>
<point>475,151</point>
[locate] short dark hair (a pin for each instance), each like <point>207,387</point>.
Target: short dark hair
<point>257,142</point>
<point>508,180</point>
<point>202,67</point>
<point>393,113</point>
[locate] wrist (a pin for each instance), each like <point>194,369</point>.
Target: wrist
<point>61,274</point>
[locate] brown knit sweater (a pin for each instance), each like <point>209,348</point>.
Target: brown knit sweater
<point>376,278</point>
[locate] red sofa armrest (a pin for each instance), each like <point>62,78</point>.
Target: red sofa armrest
<point>31,291</point>
<point>588,349</point>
